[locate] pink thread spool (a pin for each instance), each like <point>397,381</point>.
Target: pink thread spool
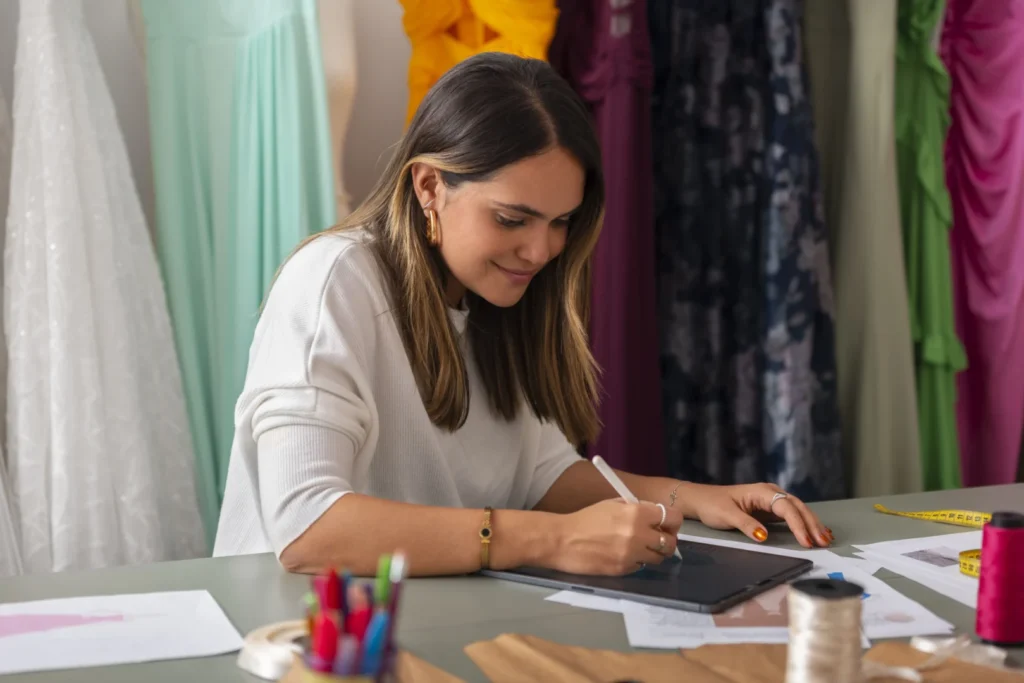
<point>1000,619</point>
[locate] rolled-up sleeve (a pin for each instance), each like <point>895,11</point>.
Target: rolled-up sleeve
<point>308,400</point>
<point>555,454</point>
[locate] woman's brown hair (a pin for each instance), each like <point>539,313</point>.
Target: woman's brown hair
<point>487,112</point>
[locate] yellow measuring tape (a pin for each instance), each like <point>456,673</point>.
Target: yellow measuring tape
<point>970,560</point>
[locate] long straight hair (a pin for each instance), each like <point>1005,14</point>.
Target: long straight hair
<point>485,113</point>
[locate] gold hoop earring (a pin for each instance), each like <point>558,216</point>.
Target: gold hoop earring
<point>433,229</point>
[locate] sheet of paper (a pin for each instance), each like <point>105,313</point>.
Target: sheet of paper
<point>885,614</point>
<point>819,556</point>
<point>594,602</point>
<point>112,629</point>
<point>932,561</point>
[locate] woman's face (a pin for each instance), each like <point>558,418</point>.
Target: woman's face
<point>497,235</point>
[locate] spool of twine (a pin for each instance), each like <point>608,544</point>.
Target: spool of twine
<point>1000,616</point>
<point>824,632</point>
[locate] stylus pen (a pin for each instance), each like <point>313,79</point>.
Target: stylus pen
<point>620,488</point>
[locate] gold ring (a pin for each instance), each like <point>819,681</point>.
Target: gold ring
<point>661,543</point>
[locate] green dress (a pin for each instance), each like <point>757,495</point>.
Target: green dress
<point>922,102</point>
<point>242,172</point>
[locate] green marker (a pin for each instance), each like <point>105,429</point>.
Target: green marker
<point>383,583</point>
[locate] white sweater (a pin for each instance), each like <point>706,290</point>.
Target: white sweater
<point>330,406</point>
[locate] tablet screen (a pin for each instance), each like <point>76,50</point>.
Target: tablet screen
<point>708,578</point>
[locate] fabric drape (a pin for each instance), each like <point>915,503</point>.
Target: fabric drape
<point>241,161</point>
<point>604,51</point>
<point>983,48</point>
<point>798,397</point>
<point>338,43</point>
<point>851,49</point>
<point>99,456</point>
<point>445,32</point>
<point>745,296</point>
<point>922,120</point>
<point>10,550</point>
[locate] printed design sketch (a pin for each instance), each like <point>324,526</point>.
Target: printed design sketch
<point>938,557</point>
<point>19,624</point>
<point>101,630</point>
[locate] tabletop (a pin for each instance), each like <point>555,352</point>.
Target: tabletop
<point>439,617</point>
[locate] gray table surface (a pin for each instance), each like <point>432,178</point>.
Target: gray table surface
<point>441,616</point>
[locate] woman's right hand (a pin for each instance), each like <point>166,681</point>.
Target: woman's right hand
<point>614,537</point>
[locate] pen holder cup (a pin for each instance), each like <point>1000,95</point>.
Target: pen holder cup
<point>301,673</point>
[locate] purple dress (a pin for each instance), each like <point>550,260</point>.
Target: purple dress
<point>602,48</point>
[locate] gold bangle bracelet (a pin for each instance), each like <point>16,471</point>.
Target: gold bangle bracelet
<point>485,539</point>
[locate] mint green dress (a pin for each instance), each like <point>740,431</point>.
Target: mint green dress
<point>242,172</point>
<point>922,118</point>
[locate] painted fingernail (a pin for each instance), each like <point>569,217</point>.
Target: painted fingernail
<point>828,530</point>
<point>761,535</point>
<point>824,539</point>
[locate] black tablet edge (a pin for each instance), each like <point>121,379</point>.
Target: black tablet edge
<point>750,591</point>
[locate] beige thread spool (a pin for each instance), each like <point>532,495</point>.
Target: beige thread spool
<point>824,632</point>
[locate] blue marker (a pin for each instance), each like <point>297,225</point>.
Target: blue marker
<point>839,577</point>
<point>373,644</point>
<point>343,583</point>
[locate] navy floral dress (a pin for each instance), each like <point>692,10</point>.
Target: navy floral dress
<point>744,291</point>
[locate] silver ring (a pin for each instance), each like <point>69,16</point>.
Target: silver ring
<point>776,497</point>
<point>664,514</point>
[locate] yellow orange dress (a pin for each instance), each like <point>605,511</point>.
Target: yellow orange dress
<point>445,32</point>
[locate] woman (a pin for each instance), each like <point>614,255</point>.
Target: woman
<point>427,361</point>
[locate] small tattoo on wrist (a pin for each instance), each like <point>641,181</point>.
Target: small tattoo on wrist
<point>672,496</point>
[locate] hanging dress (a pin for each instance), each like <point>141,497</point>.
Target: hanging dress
<point>748,370</point>
<point>799,401</point>
<point>708,147</point>
<point>10,549</point>
<point>922,120</point>
<point>99,456</point>
<point>983,48</point>
<point>604,52</point>
<point>445,32</point>
<point>851,57</point>
<point>338,44</point>
<point>242,171</point>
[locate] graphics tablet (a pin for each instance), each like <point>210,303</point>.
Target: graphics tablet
<point>709,578</point>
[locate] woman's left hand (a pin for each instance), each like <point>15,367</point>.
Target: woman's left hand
<point>747,506</point>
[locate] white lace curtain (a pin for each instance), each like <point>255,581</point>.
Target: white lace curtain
<point>10,553</point>
<point>99,450</point>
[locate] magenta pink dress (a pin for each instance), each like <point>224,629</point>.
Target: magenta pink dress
<point>983,48</point>
<point>603,49</point>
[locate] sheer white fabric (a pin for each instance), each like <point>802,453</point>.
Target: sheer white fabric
<point>10,554</point>
<point>100,453</point>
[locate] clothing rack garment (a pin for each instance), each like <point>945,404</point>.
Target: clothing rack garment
<point>445,32</point>
<point>10,549</point>
<point>983,48</point>
<point>745,298</point>
<point>922,122</point>
<point>242,169</point>
<point>603,50</point>
<point>99,454</point>
<point>851,56</point>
